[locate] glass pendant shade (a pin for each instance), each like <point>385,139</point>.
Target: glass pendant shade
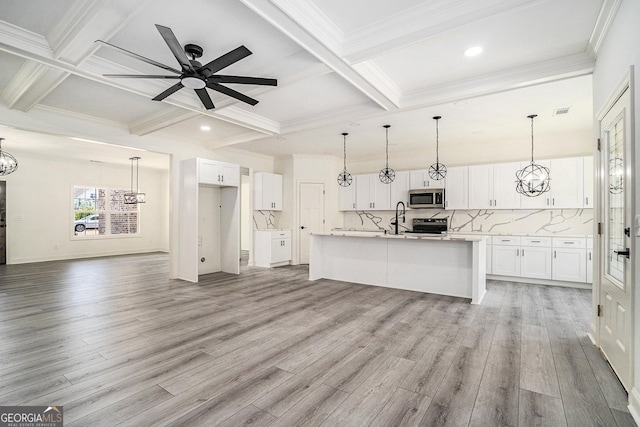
<point>387,175</point>
<point>8,163</point>
<point>534,179</point>
<point>344,178</point>
<point>437,171</point>
<point>134,197</point>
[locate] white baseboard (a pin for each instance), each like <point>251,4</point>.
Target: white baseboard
<point>577,285</point>
<point>69,256</point>
<point>634,404</point>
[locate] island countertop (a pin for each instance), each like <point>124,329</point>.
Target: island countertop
<point>446,265</point>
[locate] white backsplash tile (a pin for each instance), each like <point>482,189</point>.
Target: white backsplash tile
<point>516,221</point>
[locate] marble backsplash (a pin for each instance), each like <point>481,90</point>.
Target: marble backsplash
<point>265,220</point>
<point>516,221</point>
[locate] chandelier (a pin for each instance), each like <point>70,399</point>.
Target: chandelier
<point>437,170</point>
<point>533,179</point>
<point>8,163</point>
<point>387,175</point>
<point>134,197</point>
<point>344,178</point>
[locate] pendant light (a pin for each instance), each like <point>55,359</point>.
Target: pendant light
<point>437,170</point>
<point>533,179</point>
<point>8,163</point>
<point>134,197</point>
<point>344,179</point>
<point>387,175</point>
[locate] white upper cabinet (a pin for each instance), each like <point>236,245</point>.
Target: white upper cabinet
<point>420,180</point>
<point>456,192</point>
<point>543,201</point>
<point>400,189</point>
<point>587,163</point>
<point>218,173</point>
<point>567,183</point>
<point>505,195</point>
<point>267,191</point>
<point>480,187</point>
<point>347,196</point>
<point>371,194</point>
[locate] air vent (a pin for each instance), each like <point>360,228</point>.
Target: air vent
<point>561,111</point>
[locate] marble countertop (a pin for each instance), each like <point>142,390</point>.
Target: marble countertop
<point>467,233</point>
<point>382,235</point>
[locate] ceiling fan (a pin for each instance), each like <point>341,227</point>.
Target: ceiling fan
<point>193,74</point>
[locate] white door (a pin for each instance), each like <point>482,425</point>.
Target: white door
<point>209,260</point>
<point>311,208</point>
<point>615,265</point>
<point>456,193</point>
<point>363,193</point>
<point>481,187</point>
<point>505,195</point>
<point>380,194</point>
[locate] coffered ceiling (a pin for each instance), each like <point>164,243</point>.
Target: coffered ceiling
<point>341,66</point>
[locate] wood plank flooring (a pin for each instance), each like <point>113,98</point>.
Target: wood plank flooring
<point>116,342</point>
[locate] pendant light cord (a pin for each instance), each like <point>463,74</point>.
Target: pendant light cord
<point>437,144</point>
<point>387,147</point>
<point>532,117</point>
<point>131,183</point>
<point>137,177</point>
<point>344,145</point>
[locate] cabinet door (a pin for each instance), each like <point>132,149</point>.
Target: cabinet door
<point>400,189</point>
<point>347,197</point>
<point>418,179</point>
<point>587,164</point>
<point>481,187</point>
<point>505,195</point>
<point>542,201</point>
<point>569,265</point>
<point>277,252</point>
<point>380,194</point>
<point>276,191</point>
<point>363,197</point>
<point>229,175</point>
<point>535,262</point>
<point>506,260</point>
<point>286,249</point>
<point>208,172</point>
<point>456,194</point>
<point>567,183</point>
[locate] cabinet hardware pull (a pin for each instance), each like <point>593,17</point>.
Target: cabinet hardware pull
<point>506,240</point>
<point>568,243</point>
<point>547,201</point>
<point>554,254</point>
<point>586,201</point>
<point>517,252</point>
<point>589,256</point>
<point>523,252</point>
<point>535,241</point>
<point>553,201</point>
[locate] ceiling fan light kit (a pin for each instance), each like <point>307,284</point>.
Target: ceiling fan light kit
<point>8,163</point>
<point>387,175</point>
<point>533,179</point>
<point>344,178</point>
<point>437,171</point>
<point>194,75</point>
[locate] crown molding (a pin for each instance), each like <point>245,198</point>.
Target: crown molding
<point>14,39</point>
<point>235,139</point>
<point>526,75</point>
<point>374,75</point>
<point>83,118</point>
<point>31,84</point>
<point>605,19</point>
<point>159,120</point>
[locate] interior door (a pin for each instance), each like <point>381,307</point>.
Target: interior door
<point>615,264</point>
<point>311,208</point>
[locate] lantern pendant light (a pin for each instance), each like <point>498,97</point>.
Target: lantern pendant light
<point>8,163</point>
<point>134,197</point>
<point>387,175</point>
<point>344,179</point>
<point>437,170</point>
<point>533,179</point>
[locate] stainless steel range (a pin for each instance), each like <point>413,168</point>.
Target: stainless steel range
<point>430,226</point>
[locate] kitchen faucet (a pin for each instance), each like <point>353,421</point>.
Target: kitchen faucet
<point>404,211</point>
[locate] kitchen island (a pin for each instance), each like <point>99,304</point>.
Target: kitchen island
<point>454,266</point>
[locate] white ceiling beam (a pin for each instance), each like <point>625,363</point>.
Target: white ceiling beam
<point>160,120</point>
<point>281,16</point>
<point>607,13</point>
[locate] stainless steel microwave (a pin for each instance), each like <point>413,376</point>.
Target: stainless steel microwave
<point>431,198</point>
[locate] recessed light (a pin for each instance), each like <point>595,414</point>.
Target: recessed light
<point>205,127</point>
<point>473,51</point>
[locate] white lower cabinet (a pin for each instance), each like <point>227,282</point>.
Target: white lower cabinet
<point>569,259</point>
<point>272,247</point>
<point>535,257</point>
<point>506,255</point>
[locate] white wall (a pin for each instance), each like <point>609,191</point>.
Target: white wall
<point>40,209</point>
<point>617,53</point>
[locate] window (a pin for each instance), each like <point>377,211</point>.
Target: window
<point>102,212</point>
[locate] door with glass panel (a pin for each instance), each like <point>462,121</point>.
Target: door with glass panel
<point>615,243</point>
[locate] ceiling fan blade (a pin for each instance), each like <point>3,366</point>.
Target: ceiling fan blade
<point>245,80</point>
<point>141,58</point>
<point>176,87</point>
<point>232,93</point>
<point>224,61</point>
<point>140,76</point>
<point>175,47</point>
<point>205,98</point>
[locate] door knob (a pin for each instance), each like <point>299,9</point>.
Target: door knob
<point>302,227</point>
<point>625,252</point>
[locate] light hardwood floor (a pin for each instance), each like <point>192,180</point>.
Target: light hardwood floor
<point>115,341</point>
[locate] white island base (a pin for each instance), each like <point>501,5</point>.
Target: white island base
<point>438,265</point>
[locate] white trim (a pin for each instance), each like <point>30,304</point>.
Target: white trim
<point>545,282</point>
<point>159,120</point>
<point>605,19</point>
<point>634,404</point>
<point>92,255</point>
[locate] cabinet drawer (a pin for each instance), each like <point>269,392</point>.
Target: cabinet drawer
<point>544,242</point>
<point>506,240</point>
<point>559,242</point>
<point>284,234</point>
